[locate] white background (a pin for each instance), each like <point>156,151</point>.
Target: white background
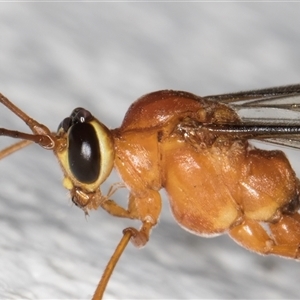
<point>102,56</point>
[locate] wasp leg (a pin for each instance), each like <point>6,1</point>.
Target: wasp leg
<point>146,209</point>
<point>116,210</point>
<point>251,235</point>
<point>139,238</point>
<point>286,232</point>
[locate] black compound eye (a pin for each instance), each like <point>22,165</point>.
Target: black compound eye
<point>84,152</point>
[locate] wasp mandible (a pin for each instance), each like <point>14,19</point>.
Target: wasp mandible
<point>198,150</point>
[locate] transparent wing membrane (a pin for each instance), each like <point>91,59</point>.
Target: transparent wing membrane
<point>265,109</point>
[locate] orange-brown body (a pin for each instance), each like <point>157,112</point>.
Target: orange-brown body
<point>214,183</point>
<point>215,180</point>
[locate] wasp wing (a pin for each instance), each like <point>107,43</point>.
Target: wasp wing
<point>265,110</point>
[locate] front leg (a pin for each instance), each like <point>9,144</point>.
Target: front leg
<point>145,208</point>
